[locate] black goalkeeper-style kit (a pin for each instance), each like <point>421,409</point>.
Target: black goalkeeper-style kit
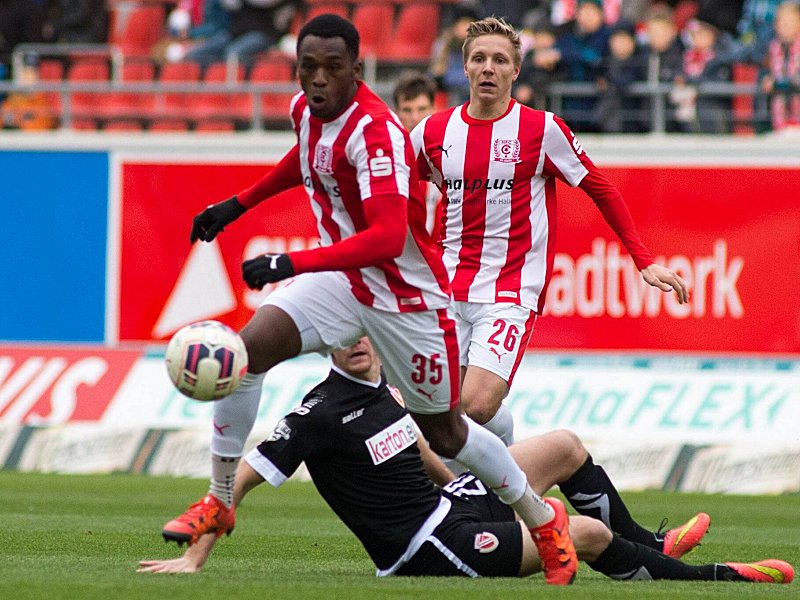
<point>359,445</point>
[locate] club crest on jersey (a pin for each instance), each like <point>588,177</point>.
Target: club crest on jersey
<point>392,440</point>
<point>281,431</point>
<point>323,159</point>
<point>486,542</point>
<point>506,151</point>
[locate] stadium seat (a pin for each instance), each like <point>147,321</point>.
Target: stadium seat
<point>123,125</point>
<point>416,31</point>
<point>218,125</point>
<point>274,106</point>
<point>136,29</point>
<point>169,125</point>
<point>208,105</point>
<point>375,24</point>
<point>130,104</point>
<point>52,71</point>
<point>175,104</point>
<point>84,124</point>
<point>87,104</point>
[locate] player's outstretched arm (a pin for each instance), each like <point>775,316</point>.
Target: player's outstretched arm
<point>666,280</point>
<point>210,222</point>
<point>192,560</point>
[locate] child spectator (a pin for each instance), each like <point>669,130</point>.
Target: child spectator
<point>782,78</point>
<point>706,59</point>
<point>617,111</point>
<point>664,50</point>
<point>541,67</point>
<point>583,49</point>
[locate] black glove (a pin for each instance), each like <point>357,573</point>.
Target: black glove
<point>207,224</point>
<point>265,269</point>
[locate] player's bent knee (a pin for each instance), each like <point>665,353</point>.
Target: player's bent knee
<point>572,451</point>
<point>483,409</point>
<point>590,536</point>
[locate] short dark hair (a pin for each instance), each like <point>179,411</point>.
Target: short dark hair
<point>329,26</point>
<point>412,84</point>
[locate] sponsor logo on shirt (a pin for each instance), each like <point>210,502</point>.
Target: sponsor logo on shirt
<point>506,151</point>
<point>281,431</point>
<point>392,440</point>
<point>486,542</point>
<point>353,415</point>
<point>323,159</point>
<point>380,165</point>
<point>472,185</point>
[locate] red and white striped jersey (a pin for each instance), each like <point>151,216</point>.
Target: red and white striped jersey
<point>365,152</point>
<point>498,177</point>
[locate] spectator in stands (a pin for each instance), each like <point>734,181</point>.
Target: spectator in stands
<point>782,77</point>
<point>541,67</point>
<point>447,64</point>
<point>20,21</point>
<point>706,59</point>
<point>77,22</point>
<point>664,51</point>
<point>254,26</point>
<point>517,13</point>
<point>27,110</point>
<point>617,111</point>
<point>755,28</point>
<point>188,25</point>
<point>583,49</point>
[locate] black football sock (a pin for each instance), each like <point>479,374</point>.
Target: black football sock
<point>631,561</point>
<point>591,493</point>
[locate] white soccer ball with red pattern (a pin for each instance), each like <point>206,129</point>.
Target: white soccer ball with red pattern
<point>206,360</point>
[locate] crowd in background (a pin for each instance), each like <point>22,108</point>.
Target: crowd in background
<point>609,45</point>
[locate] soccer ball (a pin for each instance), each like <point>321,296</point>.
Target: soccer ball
<point>206,360</point>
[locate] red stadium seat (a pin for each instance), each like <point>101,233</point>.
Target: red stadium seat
<point>169,125</point>
<point>274,105</point>
<point>220,104</point>
<point>52,71</point>
<point>123,125</point>
<point>127,104</point>
<point>87,104</point>
<point>137,29</point>
<point>416,31</point>
<point>176,104</point>
<point>375,24</point>
<point>215,125</point>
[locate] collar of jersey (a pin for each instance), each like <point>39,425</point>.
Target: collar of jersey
<point>356,379</point>
<point>473,121</point>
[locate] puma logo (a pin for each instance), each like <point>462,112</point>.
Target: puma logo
<point>499,356</point>
<point>429,396</point>
<point>444,150</point>
<point>220,428</point>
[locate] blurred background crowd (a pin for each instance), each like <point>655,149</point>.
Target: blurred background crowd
<point>616,66</point>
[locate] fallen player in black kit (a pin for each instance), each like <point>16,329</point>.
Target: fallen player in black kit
<point>364,456</point>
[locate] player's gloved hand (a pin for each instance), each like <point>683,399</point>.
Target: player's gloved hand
<point>207,224</point>
<point>269,268</point>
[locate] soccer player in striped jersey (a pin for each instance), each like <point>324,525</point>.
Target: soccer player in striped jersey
<point>497,163</point>
<point>377,272</point>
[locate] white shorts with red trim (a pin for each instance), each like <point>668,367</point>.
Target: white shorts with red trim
<point>419,350</point>
<point>493,336</point>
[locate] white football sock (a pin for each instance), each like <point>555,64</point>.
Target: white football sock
<point>502,425</point>
<point>486,456</point>
<point>234,417</point>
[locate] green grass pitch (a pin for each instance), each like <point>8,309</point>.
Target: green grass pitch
<point>76,537</point>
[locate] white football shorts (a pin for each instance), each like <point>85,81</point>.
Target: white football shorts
<point>493,336</point>
<point>418,350</point>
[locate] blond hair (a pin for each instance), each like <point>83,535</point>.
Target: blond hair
<point>493,26</point>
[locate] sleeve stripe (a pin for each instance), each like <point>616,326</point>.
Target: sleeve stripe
<point>265,467</point>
